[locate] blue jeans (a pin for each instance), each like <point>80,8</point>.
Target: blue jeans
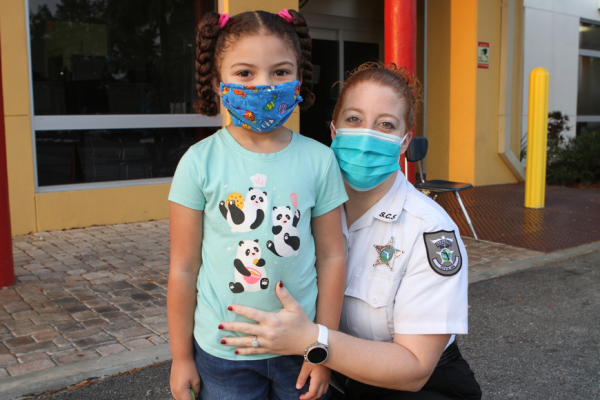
<point>272,379</point>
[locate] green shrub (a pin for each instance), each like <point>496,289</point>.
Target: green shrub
<point>574,161</point>
<point>569,161</point>
<point>557,124</point>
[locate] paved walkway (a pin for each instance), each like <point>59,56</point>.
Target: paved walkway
<point>82,294</point>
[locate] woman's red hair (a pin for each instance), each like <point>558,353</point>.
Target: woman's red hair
<point>400,80</point>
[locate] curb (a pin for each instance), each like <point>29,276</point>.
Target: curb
<point>66,375</point>
<point>533,262</point>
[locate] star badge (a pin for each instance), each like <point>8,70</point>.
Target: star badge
<point>386,254</point>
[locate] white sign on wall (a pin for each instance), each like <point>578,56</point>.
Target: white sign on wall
<point>483,55</point>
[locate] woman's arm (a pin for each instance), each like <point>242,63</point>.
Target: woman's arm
<point>406,364</point>
<point>186,242</point>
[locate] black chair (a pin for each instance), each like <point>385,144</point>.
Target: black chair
<point>417,150</point>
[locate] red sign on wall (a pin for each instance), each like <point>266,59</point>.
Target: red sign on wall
<point>483,55</point>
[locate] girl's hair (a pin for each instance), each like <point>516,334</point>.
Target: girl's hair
<point>212,42</point>
<point>400,80</point>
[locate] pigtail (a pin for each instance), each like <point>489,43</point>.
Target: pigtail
<point>207,102</point>
<point>305,64</point>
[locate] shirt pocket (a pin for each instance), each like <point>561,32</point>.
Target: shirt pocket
<point>371,317</point>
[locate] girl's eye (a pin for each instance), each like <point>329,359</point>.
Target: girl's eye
<point>281,72</point>
<point>388,125</point>
<point>245,74</point>
<point>353,120</point>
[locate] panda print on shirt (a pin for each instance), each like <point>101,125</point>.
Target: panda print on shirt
<point>286,241</point>
<point>250,274</point>
<point>245,214</point>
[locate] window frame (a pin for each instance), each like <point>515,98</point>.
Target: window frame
<point>111,121</point>
<point>592,54</point>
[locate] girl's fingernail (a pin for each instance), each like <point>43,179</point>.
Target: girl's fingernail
<point>230,308</point>
<point>221,326</point>
<point>223,341</point>
<point>237,352</point>
<point>280,284</point>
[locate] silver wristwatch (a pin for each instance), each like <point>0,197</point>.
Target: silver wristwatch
<point>318,352</point>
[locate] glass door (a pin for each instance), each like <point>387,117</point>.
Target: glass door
<point>345,44</point>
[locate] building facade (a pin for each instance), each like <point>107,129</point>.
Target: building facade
<point>98,94</point>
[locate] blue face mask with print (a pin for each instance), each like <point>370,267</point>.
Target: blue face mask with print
<point>260,108</point>
<point>366,157</point>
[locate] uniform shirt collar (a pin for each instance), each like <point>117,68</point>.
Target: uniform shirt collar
<point>387,209</point>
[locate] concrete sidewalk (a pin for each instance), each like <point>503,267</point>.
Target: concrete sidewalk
<point>86,299</point>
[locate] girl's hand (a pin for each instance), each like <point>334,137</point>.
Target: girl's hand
<point>319,380</point>
<point>184,376</point>
<point>287,332</point>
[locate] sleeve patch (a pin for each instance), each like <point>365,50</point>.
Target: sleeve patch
<point>443,253</point>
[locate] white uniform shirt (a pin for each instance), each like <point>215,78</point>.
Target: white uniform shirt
<point>415,297</point>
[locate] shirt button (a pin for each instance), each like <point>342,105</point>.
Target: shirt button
<point>375,300</point>
<point>407,200</point>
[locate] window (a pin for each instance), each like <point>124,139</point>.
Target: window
<point>113,87</point>
<point>588,93</point>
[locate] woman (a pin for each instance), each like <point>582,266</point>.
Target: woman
<point>407,269</point>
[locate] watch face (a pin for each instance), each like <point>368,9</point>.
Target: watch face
<point>317,355</point>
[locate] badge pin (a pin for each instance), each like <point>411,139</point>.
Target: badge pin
<point>386,254</point>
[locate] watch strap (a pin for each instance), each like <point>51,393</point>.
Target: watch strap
<point>323,335</point>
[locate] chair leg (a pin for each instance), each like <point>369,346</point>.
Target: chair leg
<point>464,210</point>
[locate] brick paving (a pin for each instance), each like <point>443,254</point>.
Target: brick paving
<point>87,293</point>
<point>84,293</point>
<point>570,218</point>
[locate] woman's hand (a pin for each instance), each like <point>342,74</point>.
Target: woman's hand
<point>184,376</point>
<point>319,380</point>
<point>287,332</point>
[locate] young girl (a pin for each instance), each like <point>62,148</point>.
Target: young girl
<point>251,207</point>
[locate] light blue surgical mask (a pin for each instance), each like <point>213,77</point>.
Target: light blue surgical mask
<point>366,157</point>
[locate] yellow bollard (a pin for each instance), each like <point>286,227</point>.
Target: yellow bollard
<point>537,139</point>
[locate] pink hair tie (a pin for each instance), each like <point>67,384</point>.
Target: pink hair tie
<point>223,19</point>
<point>285,14</point>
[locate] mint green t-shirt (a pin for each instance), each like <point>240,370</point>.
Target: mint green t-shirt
<point>256,226</point>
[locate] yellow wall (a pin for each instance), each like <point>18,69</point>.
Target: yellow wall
<point>59,210</point>
<point>462,100</point>
<point>517,78</point>
<point>489,167</point>
<point>463,86</point>
<point>438,88</point>
<point>15,82</point>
